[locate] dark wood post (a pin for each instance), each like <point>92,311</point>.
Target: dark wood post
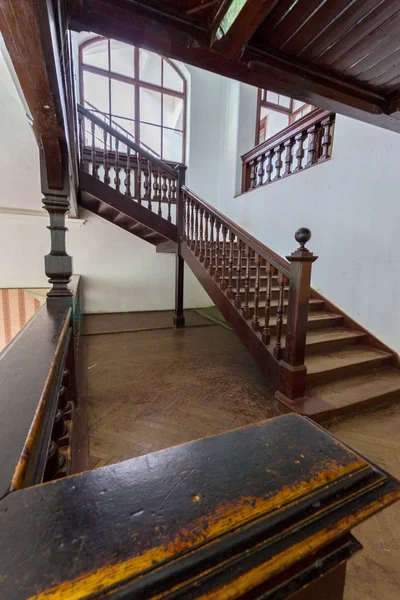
<point>179,318</point>
<point>58,265</point>
<point>294,370</point>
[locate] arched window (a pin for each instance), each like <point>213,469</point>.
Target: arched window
<point>140,92</point>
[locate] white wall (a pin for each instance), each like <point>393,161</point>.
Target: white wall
<point>351,205</point>
<point>120,271</point>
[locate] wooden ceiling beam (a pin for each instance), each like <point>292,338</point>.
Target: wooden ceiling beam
<point>235,24</point>
<point>26,34</point>
<point>258,68</point>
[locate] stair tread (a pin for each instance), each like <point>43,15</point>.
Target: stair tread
<point>358,388</point>
<point>274,302</point>
<point>313,316</point>
<point>335,333</point>
<point>328,361</point>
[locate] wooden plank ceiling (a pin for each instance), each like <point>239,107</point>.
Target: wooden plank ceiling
<point>343,55</point>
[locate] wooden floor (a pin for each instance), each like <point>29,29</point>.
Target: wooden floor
<point>153,389</point>
<point>150,390</point>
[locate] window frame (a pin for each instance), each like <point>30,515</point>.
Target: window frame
<point>137,84</point>
<point>287,110</point>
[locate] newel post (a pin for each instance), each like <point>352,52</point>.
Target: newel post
<point>58,264</point>
<point>179,318</point>
<point>293,379</point>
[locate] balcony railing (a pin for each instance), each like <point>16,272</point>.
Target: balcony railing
<point>303,144</point>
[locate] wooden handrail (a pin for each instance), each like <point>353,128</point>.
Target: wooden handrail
<point>313,117</point>
<point>297,147</point>
<point>31,367</point>
<point>126,141</point>
<point>261,249</point>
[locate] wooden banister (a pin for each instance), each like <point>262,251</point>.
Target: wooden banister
<point>277,261</point>
<point>126,141</point>
<point>301,145</point>
<point>278,309</point>
<point>37,371</point>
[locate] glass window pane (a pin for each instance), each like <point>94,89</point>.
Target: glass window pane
<point>172,145</point>
<point>172,112</point>
<point>150,136</point>
<point>96,54</point>
<point>172,79</point>
<point>272,97</point>
<point>150,106</point>
<point>122,99</point>
<point>125,126</point>
<point>96,91</point>
<point>297,104</point>
<point>122,58</point>
<point>284,101</point>
<point>150,67</point>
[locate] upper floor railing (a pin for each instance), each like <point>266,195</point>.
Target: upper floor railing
<point>37,390</point>
<point>305,143</point>
<point>118,161</point>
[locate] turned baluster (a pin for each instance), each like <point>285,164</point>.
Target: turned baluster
<point>300,137</point>
<point>288,157</point>
<point>81,139</point>
<point>106,165</point>
<point>259,171</point>
<point>224,257</point>
<point>211,262</point>
<point>187,219</point>
<point>238,297</point>
<point>139,179</point>
<point>312,146</point>
<point>326,139</point>
<point>166,197</point>
<point>95,168</point>
<point>247,283</point>
<point>266,332</point>
<point>278,161</point>
<point>229,292</point>
<point>147,194</point>
<point>196,230</point>
<point>184,217</point>
<point>253,175</point>
<point>217,251</point>
<point>279,316</point>
<point>173,192</point>
<point>255,324</point>
<point>269,167</point>
<point>192,224</point>
<point>156,191</point>
<point>127,181</point>
<point>201,233</point>
<point>206,219</point>
<point>117,180</point>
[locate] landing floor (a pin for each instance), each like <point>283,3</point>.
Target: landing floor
<point>153,389</point>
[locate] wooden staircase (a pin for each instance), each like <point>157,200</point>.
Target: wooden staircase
<point>321,363</point>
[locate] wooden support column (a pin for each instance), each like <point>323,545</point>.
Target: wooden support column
<point>58,264</point>
<point>293,375</point>
<point>179,318</point>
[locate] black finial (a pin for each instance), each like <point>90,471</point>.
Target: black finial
<point>302,236</point>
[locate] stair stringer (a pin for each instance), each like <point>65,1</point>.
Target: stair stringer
<point>97,189</point>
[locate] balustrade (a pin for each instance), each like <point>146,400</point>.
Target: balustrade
<point>303,144</point>
<point>270,294</point>
<point>110,155</point>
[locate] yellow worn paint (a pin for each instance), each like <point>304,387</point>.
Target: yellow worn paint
<point>224,519</point>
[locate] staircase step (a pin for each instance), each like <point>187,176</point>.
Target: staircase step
<point>314,305</point>
<point>316,320</point>
<point>325,340</point>
<point>353,360</point>
<point>352,395</point>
